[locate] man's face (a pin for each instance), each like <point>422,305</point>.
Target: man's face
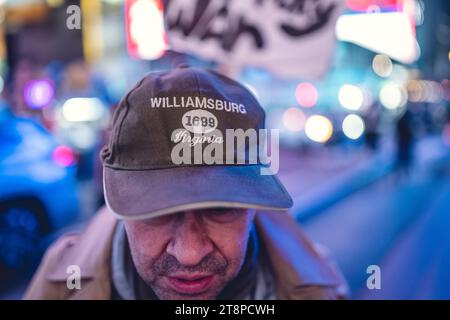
<point>190,254</point>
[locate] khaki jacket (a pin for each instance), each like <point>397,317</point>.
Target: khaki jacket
<point>298,269</point>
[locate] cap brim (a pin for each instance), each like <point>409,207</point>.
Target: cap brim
<point>142,194</point>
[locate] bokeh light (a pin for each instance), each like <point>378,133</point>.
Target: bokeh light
<point>414,89</point>
<point>351,97</point>
<point>83,109</point>
<point>318,128</point>
<point>38,93</point>
<point>294,119</point>
<point>425,91</point>
<point>306,94</point>
<point>54,3</point>
<point>382,65</point>
<point>393,96</point>
<point>63,156</point>
<point>353,126</point>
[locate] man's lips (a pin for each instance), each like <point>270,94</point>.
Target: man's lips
<point>190,284</point>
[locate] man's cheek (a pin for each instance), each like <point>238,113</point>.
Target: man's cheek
<point>149,249</point>
<point>144,260</point>
<point>232,242</point>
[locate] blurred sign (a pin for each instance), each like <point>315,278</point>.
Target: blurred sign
<point>391,32</point>
<point>374,5</point>
<point>289,38</point>
<point>146,38</point>
<point>25,11</point>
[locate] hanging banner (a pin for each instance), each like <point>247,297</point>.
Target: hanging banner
<point>291,38</point>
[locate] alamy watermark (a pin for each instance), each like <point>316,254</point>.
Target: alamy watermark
<point>374,280</point>
<point>73,21</point>
<point>73,281</point>
<point>237,146</point>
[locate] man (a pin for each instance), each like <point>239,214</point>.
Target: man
<point>190,214</point>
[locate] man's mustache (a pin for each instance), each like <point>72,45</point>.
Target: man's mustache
<point>167,264</point>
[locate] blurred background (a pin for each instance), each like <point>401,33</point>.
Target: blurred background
<point>359,89</point>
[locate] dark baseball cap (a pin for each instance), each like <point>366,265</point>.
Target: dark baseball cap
<point>155,162</point>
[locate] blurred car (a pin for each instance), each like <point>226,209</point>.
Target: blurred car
<point>37,189</point>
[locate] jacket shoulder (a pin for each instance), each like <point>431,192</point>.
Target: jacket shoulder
<point>90,250</point>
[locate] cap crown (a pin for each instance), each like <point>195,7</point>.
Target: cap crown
<point>192,101</point>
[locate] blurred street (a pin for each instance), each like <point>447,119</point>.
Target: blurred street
<point>399,223</point>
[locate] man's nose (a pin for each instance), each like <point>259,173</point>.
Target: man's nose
<point>190,243</point>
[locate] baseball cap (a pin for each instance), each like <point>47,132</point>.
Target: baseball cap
<point>169,148</point>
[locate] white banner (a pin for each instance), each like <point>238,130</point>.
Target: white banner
<point>291,38</point>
